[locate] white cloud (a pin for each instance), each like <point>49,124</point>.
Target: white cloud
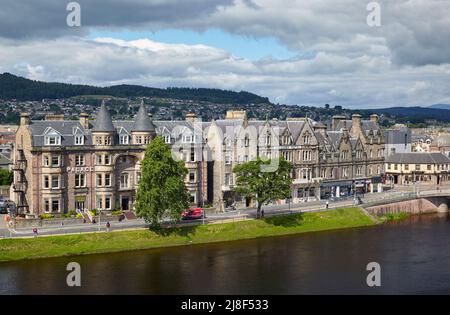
<point>406,61</point>
<point>361,81</point>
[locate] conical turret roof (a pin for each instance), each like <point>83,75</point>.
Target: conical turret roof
<point>142,122</point>
<point>103,121</point>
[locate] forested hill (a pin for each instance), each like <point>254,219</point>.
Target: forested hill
<point>14,87</point>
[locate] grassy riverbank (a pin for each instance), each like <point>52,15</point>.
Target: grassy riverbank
<point>68,245</point>
<point>400,216</point>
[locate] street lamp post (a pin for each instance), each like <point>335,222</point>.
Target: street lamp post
<point>289,204</point>
<point>99,219</point>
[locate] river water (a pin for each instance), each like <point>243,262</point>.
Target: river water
<point>414,256</point>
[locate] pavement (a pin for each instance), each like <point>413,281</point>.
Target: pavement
<point>4,232</point>
<point>228,216</point>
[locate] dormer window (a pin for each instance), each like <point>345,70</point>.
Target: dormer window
<point>167,139</point>
<point>124,136</point>
<point>79,140</point>
<point>52,140</point>
<point>188,138</point>
<point>123,139</point>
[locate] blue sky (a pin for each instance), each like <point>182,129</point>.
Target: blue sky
<point>240,46</point>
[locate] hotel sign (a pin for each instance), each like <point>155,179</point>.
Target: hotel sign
<point>82,169</point>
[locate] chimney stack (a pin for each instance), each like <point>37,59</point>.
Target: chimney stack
<point>335,121</point>
<point>321,128</point>
<point>374,118</point>
<point>57,117</point>
<point>236,114</point>
<point>24,119</point>
<point>356,124</point>
<point>84,120</point>
<point>191,117</point>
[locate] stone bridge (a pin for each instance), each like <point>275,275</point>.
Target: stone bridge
<point>421,201</point>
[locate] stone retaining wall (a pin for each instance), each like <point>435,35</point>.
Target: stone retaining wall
<point>24,223</point>
<point>415,206</point>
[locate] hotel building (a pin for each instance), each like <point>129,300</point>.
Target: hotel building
<point>61,165</point>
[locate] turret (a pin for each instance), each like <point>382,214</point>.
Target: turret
<point>144,130</point>
<point>103,132</point>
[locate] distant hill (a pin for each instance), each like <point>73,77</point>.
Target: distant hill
<point>440,106</point>
<point>416,113</point>
<point>15,87</point>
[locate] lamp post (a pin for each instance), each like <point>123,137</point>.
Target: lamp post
<point>99,219</point>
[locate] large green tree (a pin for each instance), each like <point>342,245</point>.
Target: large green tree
<point>161,187</point>
<point>264,180</point>
<point>6,177</point>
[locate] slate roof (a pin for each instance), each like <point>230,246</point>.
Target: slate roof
<point>4,160</point>
<point>365,125</point>
<point>103,121</point>
<point>142,122</point>
<point>442,140</point>
<point>65,128</point>
<point>397,136</point>
<point>335,137</point>
<point>418,158</point>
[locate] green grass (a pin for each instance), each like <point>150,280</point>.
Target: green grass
<point>400,216</point>
<point>68,245</point>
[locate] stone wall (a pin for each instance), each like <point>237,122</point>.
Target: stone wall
<point>24,223</point>
<point>415,206</point>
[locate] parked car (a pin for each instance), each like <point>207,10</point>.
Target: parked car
<point>3,210</point>
<point>192,214</point>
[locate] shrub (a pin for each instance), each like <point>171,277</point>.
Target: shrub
<point>117,212</point>
<point>45,216</point>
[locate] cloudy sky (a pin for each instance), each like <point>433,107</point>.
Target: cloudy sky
<point>308,52</point>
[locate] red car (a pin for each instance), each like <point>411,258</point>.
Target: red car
<point>192,214</point>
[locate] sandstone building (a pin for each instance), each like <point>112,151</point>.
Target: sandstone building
<point>62,165</point>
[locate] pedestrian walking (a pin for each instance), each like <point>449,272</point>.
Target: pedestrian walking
<point>262,213</point>
<point>35,232</point>
<point>108,226</point>
<point>327,205</point>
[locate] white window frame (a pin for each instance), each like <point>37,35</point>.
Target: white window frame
<point>124,139</point>
<point>57,140</point>
<point>79,140</point>
<point>124,183</point>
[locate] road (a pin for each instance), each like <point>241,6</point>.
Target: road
<point>228,216</point>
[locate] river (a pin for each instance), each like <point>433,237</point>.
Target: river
<point>414,256</point>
